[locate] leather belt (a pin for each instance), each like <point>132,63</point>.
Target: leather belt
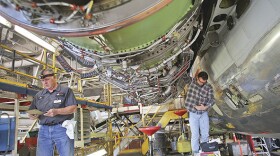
<point>52,124</point>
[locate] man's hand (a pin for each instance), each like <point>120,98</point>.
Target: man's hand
<point>201,107</point>
<point>61,111</point>
<point>33,116</point>
<point>51,112</point>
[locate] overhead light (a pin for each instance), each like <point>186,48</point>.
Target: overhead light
<point>5,22</point>
<point>27,34</point>
<point>34,38</point>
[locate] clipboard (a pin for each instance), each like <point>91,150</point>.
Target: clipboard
<point>34,112</point>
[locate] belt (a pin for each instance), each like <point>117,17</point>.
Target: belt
<point>199,112</point>
<point>52,124</point>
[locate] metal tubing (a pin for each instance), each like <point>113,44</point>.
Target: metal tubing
<point>131,128</point>
<point>110,135</point>
<point>14,59</point>
<point>151,146</point>
<point>53,61</point>
<point>45,55</point>
<point>131,122</point>
<point>16,112</point>
<point>155,114</point>
<point>118,128</point>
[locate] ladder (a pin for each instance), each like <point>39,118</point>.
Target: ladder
<point>258,146</point>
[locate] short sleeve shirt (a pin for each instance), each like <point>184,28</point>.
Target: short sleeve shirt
<point>61,97</point>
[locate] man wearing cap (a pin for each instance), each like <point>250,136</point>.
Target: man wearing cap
<point>58,104</point>
<point>200,98</point>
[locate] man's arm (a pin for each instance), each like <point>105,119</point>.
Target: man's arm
<point>61,111</point>
<point>201,107</point>
<point>209,101</point>
<point>210,97</point>
<point>190,103</point>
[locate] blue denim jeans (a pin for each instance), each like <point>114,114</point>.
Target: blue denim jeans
<point>50,136</point>
<point>199,124</point>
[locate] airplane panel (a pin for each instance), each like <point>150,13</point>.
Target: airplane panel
<point>247,90</point>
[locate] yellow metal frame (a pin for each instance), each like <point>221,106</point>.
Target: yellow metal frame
<point>143,117</point>
<point>130,151</point>
<point>154,114</point>
<point>108,94</point>
<point>118,138</point>
<point>80,143</point>
<point>108,99</point>
<point>17,72</point>
<point>31,58</point>
<point>83,99</point>
<point>170,115</point>
<point>13,82</point>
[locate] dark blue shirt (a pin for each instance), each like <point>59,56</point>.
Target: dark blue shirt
<point>61,97</point>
